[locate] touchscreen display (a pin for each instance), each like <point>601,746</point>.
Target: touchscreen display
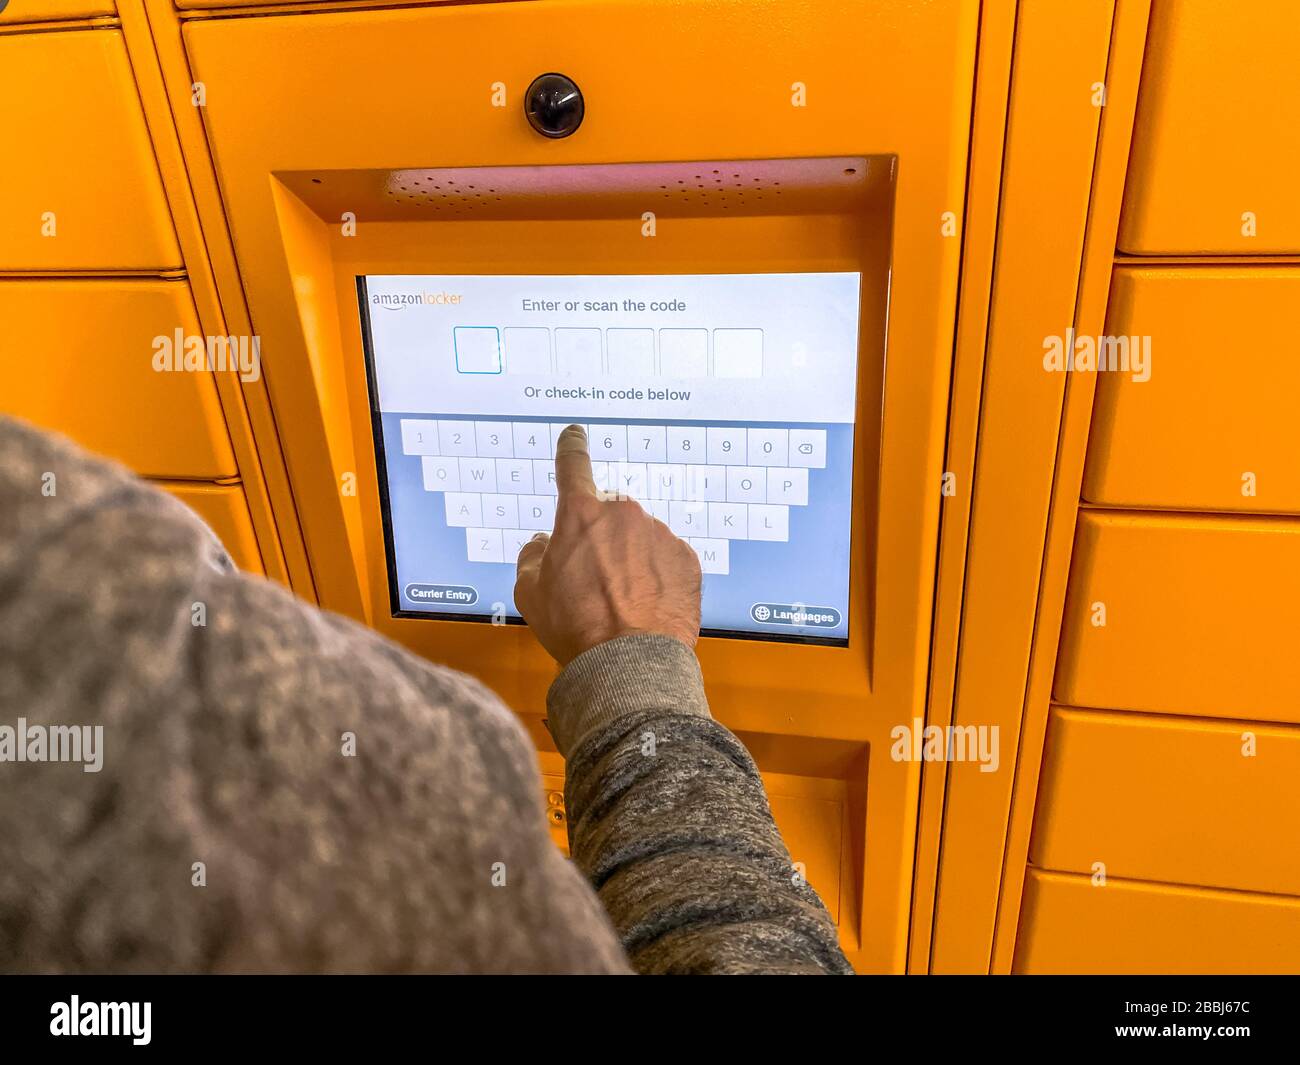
<point>723,403</point>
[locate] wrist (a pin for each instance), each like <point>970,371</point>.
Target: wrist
<point>630,672</point>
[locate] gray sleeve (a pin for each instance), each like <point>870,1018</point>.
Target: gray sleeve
<point>669,820</point>
<point>277,788</point>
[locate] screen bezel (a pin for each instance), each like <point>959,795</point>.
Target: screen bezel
<point>395,605</point>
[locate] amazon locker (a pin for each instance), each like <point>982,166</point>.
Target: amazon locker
<point>1010,639</point>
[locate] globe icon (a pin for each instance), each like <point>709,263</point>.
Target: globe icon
<point>762,613</point>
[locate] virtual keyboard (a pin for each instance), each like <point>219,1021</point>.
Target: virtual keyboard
<point>711,484</point>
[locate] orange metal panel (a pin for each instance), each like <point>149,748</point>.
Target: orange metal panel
<point>1185,615</point>
<point>225,509</point>
<point>979,238</point>
<point>1045,190</point>
<point>79,359</point>
<point>1070,925</point>
<point>1183,800</point>
<point>279,6</point>
<point>1214,426</point>
<point>1217,145</point>
<point>50,10</point>
<point>1122,74</point>
<point>260,464</point>
<point>813,827</point>
<point>80,187</point>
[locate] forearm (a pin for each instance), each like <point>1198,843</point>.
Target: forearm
<point>669,820</point>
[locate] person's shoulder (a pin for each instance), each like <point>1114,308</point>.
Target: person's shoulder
<point>46,480</point>
<point>58,503</point>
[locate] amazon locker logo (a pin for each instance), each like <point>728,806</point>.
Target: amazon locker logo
<point>396,301</point>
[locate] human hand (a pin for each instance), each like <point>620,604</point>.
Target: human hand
<point>609,569</point>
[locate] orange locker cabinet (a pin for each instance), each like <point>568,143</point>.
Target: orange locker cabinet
<point>1073,924</point>
<point>1216,146</point>
<point>1183,615</point>
<point>225,510</point>
<point>1210,423</point>
<point>1165,832</point>
<point>800,177</point>
<point>77,356</point>
<point>1170,798</point>
<point>80,186</point>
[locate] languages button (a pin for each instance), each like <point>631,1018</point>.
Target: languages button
<point>795,615</point>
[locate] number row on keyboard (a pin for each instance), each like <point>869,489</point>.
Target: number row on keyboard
<point>639,480</point>
<point>722,521</point>
<point>504,545</point>
<point>718,446</point>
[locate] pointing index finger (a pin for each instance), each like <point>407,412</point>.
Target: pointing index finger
<point>573,475</point>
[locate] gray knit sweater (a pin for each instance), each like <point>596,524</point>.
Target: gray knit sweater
<point>255,785</point>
